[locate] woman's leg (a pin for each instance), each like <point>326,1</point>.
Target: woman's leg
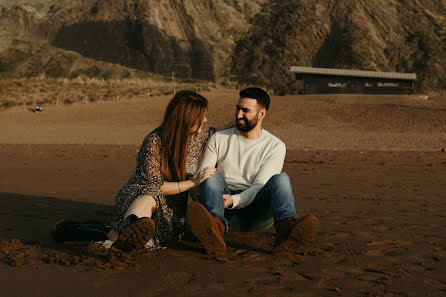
<point>142,206</point>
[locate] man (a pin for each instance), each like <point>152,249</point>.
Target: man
<point>248,192</point>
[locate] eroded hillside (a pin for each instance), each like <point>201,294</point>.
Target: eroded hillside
<point>396,36</point>
<point>193,39</point>
<point>248,41</point>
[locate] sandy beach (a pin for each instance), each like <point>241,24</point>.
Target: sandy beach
<point>369,167</point>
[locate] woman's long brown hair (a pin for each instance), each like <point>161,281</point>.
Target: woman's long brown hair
<point>184,110</point>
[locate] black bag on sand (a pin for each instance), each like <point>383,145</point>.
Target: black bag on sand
<point>79,231</point>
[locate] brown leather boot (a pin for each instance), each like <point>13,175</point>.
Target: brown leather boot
<point>292,233</point>
<point>208,229</point>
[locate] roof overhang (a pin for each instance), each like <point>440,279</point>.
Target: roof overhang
<point>298,70</point>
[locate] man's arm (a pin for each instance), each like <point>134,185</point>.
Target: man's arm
<point>272,165</point>
<point>209,155</point>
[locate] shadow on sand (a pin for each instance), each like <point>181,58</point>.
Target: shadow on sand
<point>25,237</point>
<point>30,218</point>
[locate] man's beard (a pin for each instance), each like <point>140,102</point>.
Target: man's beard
<point>247,125</point>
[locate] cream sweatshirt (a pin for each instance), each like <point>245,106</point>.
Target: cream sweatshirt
<point>246,164</point>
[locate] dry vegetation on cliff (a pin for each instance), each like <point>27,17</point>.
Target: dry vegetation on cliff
<point>28,92</point>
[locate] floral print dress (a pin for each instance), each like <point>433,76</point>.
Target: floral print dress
<point>170,215</point>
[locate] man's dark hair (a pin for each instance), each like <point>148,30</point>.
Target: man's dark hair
<point>256,93</point>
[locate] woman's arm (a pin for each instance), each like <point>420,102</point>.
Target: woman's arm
<point>173,188</point>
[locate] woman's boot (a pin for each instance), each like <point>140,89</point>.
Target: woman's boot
<point>135,233</point>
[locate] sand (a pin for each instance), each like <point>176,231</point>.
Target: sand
<point>369,167</point>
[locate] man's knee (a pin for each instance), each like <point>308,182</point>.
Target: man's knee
<point>214,183</point>
<point>281,180</point>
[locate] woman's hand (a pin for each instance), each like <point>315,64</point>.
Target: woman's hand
<point>203,175</point>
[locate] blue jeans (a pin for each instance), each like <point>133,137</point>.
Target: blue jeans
<point>272,203</point>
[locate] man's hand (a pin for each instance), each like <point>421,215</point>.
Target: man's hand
<point>228,200</point>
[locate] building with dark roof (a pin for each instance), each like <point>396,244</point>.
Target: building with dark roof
<point>341,81</point>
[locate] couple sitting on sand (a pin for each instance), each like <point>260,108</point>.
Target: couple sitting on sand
<point>234,177</point>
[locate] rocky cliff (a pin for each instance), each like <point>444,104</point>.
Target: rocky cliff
<point>191,39</point>
<point>249,41</point>
<point>397,36</point>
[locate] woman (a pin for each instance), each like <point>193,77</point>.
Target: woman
<point>151,208</point>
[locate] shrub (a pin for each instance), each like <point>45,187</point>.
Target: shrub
<point>4,67</point>
<point>9,103</point>
<point>43,101</point>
